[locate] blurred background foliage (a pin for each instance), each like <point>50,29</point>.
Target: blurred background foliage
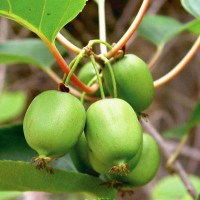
<point>173,103</point>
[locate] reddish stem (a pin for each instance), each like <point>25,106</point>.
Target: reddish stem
<point>122,42</point>
<point>66,69</point>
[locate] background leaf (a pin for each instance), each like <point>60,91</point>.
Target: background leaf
<point>31,51</point>
<point>13,146</point>
<point>43,17</point>
<point>172,188</point>
<point>164,28</point>
<point>11,105</point>
<point>10,195</point>
<point>161,30</point>
<point>22,176</point>
<point>179,131</point>
<point>195,116</point>
<point>192,6</point>
<point>193,26</point>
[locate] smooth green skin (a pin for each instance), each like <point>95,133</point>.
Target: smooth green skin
<point>113,131</point>
<point>134,81</point>
<point>80,157</point>
<point>98,166</point>
<point>104,168</point>
<point>53,123</point>
<point>147,166</point>
<point>86,73</point>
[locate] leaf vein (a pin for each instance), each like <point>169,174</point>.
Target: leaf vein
<point>42,15</point>
<point>10,6</point>
<point>57,29</point>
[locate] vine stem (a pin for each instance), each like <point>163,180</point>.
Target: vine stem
<point>72,90</point>
<point>75,64</point>
<point>180,66</point>
<point>124,39</point>
<point>98,76</point>
<point>83,95</point>
<point>107,63</point>
<point>177,152</point>
<point>177,167</point>
<point>67,44</point>
<point>102,24</point>
<point>66,69</point>
<point>155,57</point>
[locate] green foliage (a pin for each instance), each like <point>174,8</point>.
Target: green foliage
<point>193,26</point>
<point>31,51</point>
<point>13,145</point>
<point>43,17</point>
<point>176,132</point>
<point>22,176</point>
<point>161,30</point>
<point>182,129</point>
<point>172,188</point>
<point>10,195</point>
<point>11,105</point>
<point>192,6</point>
<point>164,28</point>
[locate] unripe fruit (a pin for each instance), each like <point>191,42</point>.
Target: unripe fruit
<point>80,157</point>
<point>134,81</point>
<point>147,166</point>
<point>103,168</point>
<point>86,73</point>
<point>53,123</point>
<point>113,132</point>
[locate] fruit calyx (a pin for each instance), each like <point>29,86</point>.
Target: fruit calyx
<point>113,183</point>
<point>121,169</point>
<point>42,162</point>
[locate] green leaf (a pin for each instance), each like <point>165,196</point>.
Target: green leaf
<point>10,195</point>
<point>177,132</point>
<point>193,26</point>
<point>13,145</point>
<point>11,105</point>
<point>172,188</point>
<point>195,116</point>
<point>22,176</point>
<point>43,17</point>
<point>31,51</point>
<point>192,6</point>
<point>159,29</point>
<point>198,197</point>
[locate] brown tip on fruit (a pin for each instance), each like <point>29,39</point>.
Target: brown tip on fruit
<point>43,163</point>
<point>121,169</point>
<point>63,88</point>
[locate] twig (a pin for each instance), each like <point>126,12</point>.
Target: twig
<point>67,44</point>
<point>72,90</point>
<point>3,36</point>
<point>191,152</point>
<point>177,167</point>
<point>174,156</point>
<point>125,17</point>
<point>102,25</point>
<point>180,66</point>
<point>155,57</point>
<point>122,42</point>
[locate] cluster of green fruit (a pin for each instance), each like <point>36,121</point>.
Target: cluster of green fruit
<point>108,138</point>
